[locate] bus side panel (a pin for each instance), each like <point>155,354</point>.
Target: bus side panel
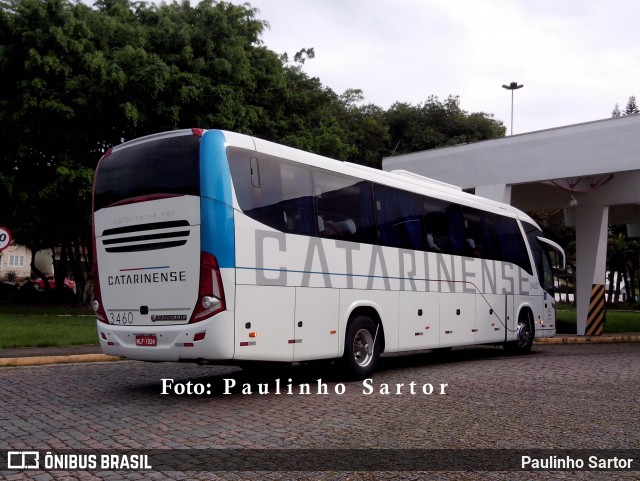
<point>457,319</point>
<point>419,320</point>
<point>264,323</point>
<point>491,317</point>
<point>316,324</point>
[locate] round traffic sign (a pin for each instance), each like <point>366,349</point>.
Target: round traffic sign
<point>5,238</point>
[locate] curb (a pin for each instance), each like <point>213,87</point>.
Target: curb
<point>590,339</point>
<point>83,358</point>
<point>44,360</point>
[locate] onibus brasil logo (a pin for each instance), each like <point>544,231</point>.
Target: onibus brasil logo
<point>21,460</point>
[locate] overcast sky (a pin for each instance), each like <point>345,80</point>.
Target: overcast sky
<point>576,58</point>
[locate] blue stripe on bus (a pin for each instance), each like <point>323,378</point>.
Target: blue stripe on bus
<point>217,228</point>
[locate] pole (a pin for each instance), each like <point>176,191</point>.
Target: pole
<point>512,86</point>
<point>512,111</point>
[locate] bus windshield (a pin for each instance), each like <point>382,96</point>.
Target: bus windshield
<point>542,254</point>
<point>167,166</point>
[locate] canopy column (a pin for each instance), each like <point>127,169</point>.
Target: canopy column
<point>591,260</point>
<point>499,192</point>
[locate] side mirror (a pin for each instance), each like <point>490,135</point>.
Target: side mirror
<point>558,258</point>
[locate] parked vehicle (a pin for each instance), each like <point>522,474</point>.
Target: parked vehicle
<point>68,283</point>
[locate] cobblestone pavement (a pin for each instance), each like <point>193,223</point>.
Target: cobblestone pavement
<point>578,396</point>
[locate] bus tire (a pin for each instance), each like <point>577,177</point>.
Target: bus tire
<point>362,347</point>
<point>524,336</point>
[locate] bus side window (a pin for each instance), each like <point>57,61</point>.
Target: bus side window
<point>442,226</point>
<point>273,191</point>
<point>344,207</point>
<point>474,238</point>
<point>399,218</point>
<point>297,203</point>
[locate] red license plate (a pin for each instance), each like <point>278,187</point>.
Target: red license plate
<point>146,340</point>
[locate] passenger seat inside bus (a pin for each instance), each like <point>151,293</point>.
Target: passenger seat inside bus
<point>341,229</point>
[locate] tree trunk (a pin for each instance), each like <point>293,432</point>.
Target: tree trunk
<point>61,269</point>
<point>631,292</point>
<point>610,293</point>
<point>79,274</point>
<point>617,294</point>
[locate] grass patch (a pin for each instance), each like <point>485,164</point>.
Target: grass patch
<point>616,321</point>
<point>39,309</point>
<point>40,330</point>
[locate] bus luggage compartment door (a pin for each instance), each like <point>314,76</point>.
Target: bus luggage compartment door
<point>316,324</point>
<point>264,323</point>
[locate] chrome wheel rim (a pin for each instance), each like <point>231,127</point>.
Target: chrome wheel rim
<point>363,348</point>
<point>524,335</point>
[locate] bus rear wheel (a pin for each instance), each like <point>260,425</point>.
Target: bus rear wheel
<point>362,347</point>
<point>524,336</point>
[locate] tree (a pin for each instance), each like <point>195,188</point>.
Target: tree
<point>616,111</point>
<point>310,116</point>
<point>632,107</point>
<point>366,129</point>
<point>436,123</point>
<point>620,253</point>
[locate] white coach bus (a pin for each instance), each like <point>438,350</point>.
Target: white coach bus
<point>215,246</point>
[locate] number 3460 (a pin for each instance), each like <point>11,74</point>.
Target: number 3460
<point>121,317</point>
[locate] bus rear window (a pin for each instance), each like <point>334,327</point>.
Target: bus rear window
<point>167,166</point>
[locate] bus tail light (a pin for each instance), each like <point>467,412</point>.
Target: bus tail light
<point>98,308</point>
<point>97,305</point>
<point>211,293</point>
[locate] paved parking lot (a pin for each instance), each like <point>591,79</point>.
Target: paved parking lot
<point>560,396</point>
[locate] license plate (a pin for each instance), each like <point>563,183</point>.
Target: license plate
<point>146,340</point>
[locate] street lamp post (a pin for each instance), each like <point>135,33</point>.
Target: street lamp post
<point>512,86</point>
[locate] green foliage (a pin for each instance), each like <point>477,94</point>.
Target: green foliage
<point>78,79</point>
<point>438,123</point>
<point>616,322</point>
<point>39,330</point>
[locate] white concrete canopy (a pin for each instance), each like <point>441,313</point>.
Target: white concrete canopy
<point>594,165</point>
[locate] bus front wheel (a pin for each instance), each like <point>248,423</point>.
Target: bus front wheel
<point>524,336</point>
<point>362,347</point>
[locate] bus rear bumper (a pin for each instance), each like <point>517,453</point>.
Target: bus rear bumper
<point>211,339</point>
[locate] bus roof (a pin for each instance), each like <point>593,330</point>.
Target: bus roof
<point>398,178</point>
